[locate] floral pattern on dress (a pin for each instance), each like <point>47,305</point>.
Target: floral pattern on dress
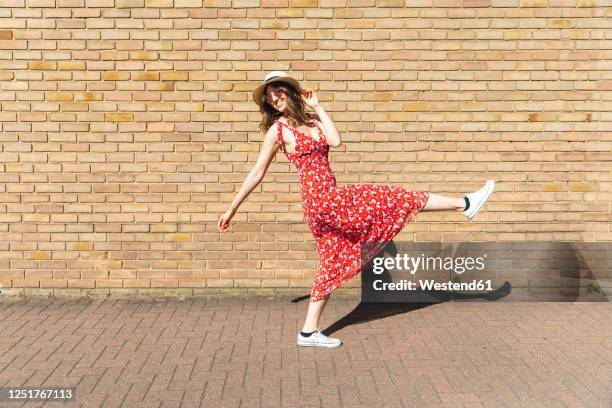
<point>343,218</point>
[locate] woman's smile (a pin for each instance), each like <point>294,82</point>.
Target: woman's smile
<point>279,104</point>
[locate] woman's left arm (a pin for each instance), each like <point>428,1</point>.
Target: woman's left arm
<point>331,133</point>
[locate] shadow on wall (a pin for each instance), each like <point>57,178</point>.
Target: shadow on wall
<point>536,271</point>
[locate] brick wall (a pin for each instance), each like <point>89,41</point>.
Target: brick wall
<point>127,129</point>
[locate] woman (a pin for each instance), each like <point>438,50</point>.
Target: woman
<point>341,218</point>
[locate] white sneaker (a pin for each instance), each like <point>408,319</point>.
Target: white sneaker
<point>317,339</point>
<point>478,199</point>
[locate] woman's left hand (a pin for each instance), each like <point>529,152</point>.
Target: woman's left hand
<point>309,97</point>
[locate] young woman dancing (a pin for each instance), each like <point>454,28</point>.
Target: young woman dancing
<point>341,218</point>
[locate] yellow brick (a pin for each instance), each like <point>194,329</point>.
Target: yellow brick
<point>122,274</point>
<point>58,76</point>
<point>274,283</point>
<point>559,23</point>
<point>162,86</point>
<point>303,3</point>
<point>219,283</point>
<point>112,55</point>
<point>91,96</point>
<point>581,187</point>
<point>53,283</point>
<point>164,283</point>
<point>119,117</point>
<point>81,283</point>
<point>377,96</point>
<point>188,3</point>
<point>514,156</point>
<point>390,3</point>
<point>62,117</point>
<point>113,264</point>
<point>180,237</point>
<point>233,35</point>
<point>145,76</point>
<point>574,117</point>
<point>289,13</point>
<point>543,117</point>
<point>247,283</point>
<point>109,283</point>
<point>115,76</point>
<point>158,3</point>
<point>164,264</point>
<point>136,283</point>
<point>551,187</point>
<point>163,228</point>
<point>401,116</point>
<point>40,256</point>
<point>533,3</point>
<point>274,25</point>
<point>81,246</point>
<point>42,65</point>
<point>192,283</point>
<point>60,96</point>
<point>415,107</point>
<point>26,283</point>
<point>133,207</point>
<point>143,56</point>
<point>177,274</point>
<point>174,76</point>
<point>71,66</point>
<point>74,106</point>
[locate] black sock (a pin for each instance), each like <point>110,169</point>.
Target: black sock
<point>307,334</point>
<point>467,203</point>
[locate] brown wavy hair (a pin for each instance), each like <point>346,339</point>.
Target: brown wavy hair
<point>296,109</point>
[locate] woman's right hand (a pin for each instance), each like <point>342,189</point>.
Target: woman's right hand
<point>223,223</point>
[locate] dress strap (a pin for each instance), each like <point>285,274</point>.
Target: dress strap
<point>279,135</point>
<point>321,134</point>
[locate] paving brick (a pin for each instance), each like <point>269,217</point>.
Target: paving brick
<point>208,351</point>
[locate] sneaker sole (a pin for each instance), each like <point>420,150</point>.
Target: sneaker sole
<point>318,345</point>
<point>483,202</point>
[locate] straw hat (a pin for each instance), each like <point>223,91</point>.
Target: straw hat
<point>274,76</point>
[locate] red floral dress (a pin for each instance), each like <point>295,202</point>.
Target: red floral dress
<point>343,218</point>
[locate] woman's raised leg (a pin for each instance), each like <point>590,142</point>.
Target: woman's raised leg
<point>470,204</point>
<point>438,202</point>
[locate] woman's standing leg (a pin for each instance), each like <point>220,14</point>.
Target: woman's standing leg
<point>311,336</point>
<point>315,309</point>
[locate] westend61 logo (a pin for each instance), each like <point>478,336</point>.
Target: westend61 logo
<point>410,264</point>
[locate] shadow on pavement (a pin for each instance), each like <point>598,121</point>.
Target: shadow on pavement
<point>365,312</point>
<point>368,311</point>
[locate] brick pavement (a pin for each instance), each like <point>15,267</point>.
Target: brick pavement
<point>240,352</point>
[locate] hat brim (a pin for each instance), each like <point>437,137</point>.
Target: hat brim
<point>258,92</point>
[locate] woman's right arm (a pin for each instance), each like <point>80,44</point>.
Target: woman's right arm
<point>269,148</point>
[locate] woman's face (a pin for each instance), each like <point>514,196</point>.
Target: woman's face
<point>276,97</point>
